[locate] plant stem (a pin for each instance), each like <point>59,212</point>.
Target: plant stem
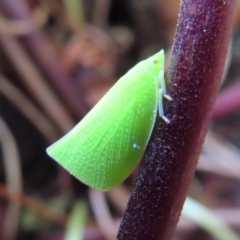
<point>196,67</point>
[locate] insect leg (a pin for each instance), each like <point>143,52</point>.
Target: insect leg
<point>160,106</point>
<point>162,85</point>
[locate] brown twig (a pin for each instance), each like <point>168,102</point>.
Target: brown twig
<point>28,109</point>
<point>13,174</point>
<point>34,205</point>
<point>100,13</point>
<point>23,27</point>
<point>36,84</point>
<point>220,157</point>
<point>46,55</point>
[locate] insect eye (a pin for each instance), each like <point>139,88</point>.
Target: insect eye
<point>155,60</point>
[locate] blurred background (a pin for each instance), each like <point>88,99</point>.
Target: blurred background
<point>57,59</point>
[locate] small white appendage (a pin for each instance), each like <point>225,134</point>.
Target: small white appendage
<point>162,93</point>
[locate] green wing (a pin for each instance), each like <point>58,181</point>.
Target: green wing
<point>104,148</point>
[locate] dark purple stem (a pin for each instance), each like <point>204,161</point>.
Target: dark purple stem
<point>196,68</point>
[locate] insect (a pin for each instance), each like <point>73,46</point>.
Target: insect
<point>104,148</point>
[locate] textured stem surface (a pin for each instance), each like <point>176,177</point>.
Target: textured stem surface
<point>196,67</point>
